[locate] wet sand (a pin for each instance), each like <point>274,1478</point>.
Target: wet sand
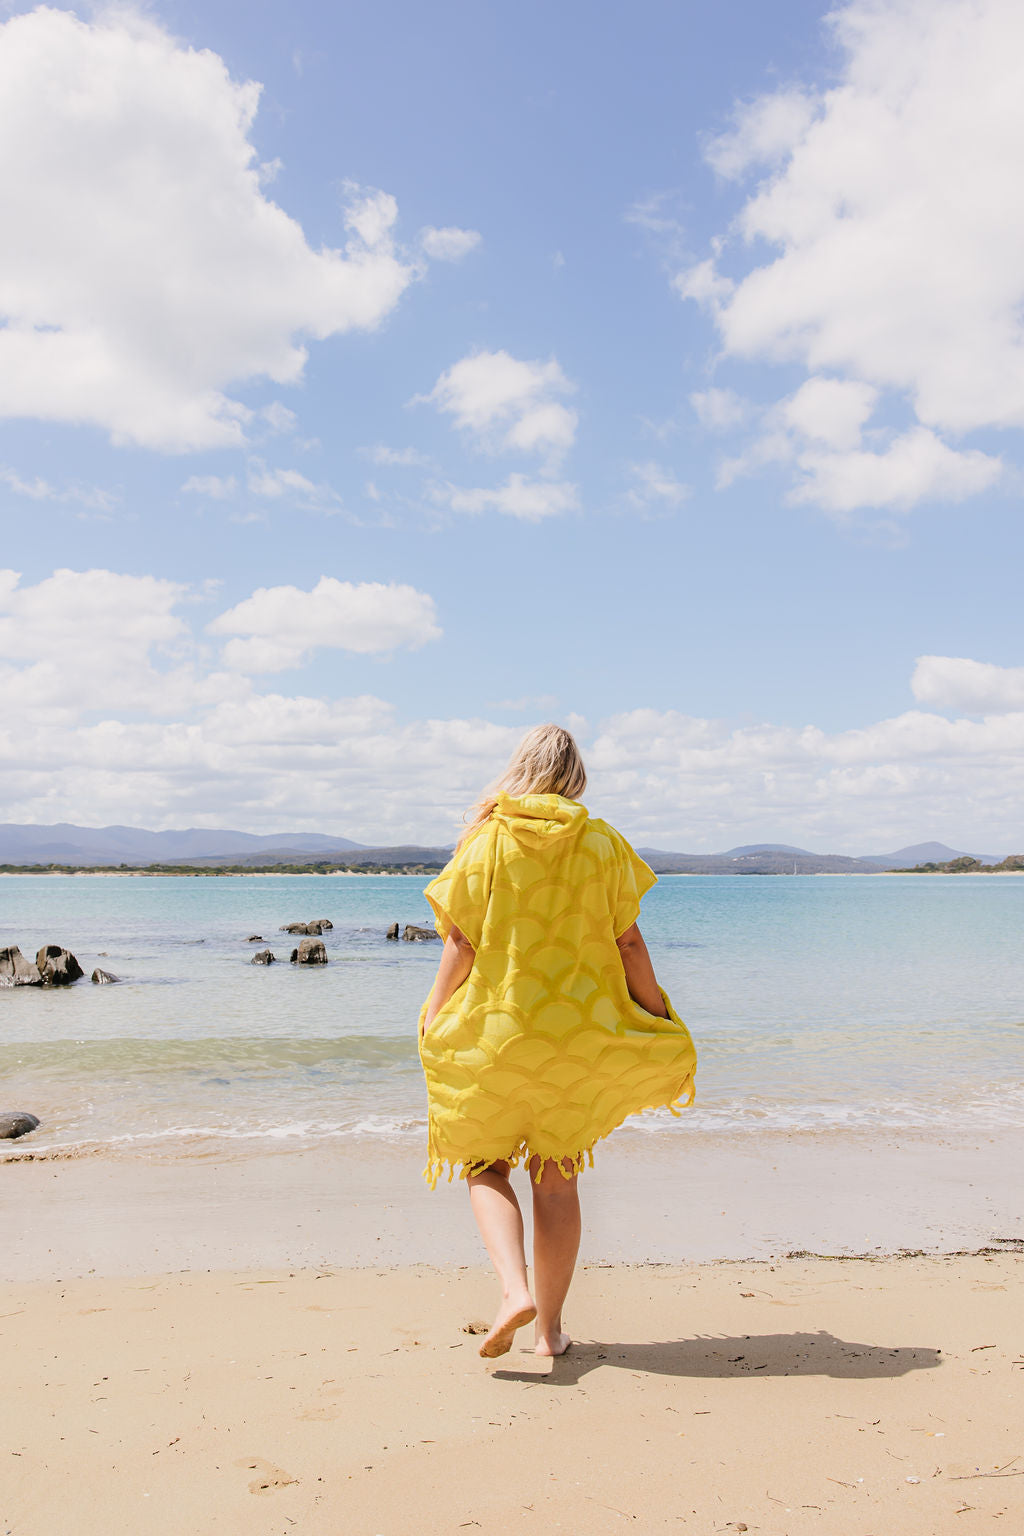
<point>666,1198</point>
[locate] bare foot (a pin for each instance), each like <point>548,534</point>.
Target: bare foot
<point>552,1344</point>
<point>514,1313</point>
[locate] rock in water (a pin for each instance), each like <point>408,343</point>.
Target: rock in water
<point>15,1123</point>
<point>316,926</point>
<point>263,957</point>
<point>255,938</point>
<point>294,928</point>
<point>103,978</point>
<point>321,924</point>
<point>58,967</point>
<point>16,971</point>
<point>310,952</point>
<point>392,932</point>
<point>414,935</point>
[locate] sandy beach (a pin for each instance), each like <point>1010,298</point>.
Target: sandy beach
<point>857,1398</point>
<point>279,1343</point>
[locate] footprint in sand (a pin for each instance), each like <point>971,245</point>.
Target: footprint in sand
<point>268,1477</point>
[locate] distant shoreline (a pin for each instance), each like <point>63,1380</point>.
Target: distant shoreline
<point>834,874</point>
<point>219,874</point>
<point>429,871</point>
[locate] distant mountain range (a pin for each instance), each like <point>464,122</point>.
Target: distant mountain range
<point>782,859</point>
<point>67,844</point>
<point>64,843</point>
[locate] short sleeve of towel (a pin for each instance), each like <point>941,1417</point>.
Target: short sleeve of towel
<point>460,893</point>
<point>634,879</point>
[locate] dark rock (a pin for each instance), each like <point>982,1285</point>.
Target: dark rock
<point>392,932</point>
<point>414,935</point>
<point>15,1123</point>
<point>317,926</point>
<point>263,957</point>
<point>16,971</point>
<point>255,938</point>
<point>58,967</point>
<point>322,925</point>
<point>294,928</point>
<point>310,952</point>
<point>103,978</point>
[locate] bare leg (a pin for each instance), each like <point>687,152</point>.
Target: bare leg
<point>556,1242</point>
<point>501,1226</point>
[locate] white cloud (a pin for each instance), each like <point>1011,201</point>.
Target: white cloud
<point>917,466</point>
<point>290,485</point>
<point>831,411</point>
<point>763,134</point>
<point>282,626</point>
<point>704,283</point>
<point>654,214</point>
<point>819,433</point>
<point>278,417</point>
<point>212,487</point>
<point>504,403</point>
<point>704,785</point>
<point>971,687</point>
<point>654,486</point>
<point>400,458</point>
<point>119,145</point>
<point>449,244</point>
<point>530,500</point>
<point>544,428</point>
<point>93,640</point>
<point>121,716</point>
<point>891,204</point>
<point>263,761</point>
<point>38,489</point>
<point>275,483</point>
<point>719,410</point>
<point>269,484</point>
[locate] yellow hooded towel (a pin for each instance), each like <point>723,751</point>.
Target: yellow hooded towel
<point>542,1050</point>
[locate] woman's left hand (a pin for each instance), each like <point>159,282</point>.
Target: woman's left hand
<point>456,964</point>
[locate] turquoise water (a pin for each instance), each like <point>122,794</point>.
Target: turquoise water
<point>815,1002</point>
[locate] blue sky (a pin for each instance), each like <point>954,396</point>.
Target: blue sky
<point>669,384</point>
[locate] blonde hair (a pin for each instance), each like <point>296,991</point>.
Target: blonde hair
<point>546,762</point>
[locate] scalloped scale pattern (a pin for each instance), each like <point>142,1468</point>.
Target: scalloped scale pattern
<point>542,1051</point>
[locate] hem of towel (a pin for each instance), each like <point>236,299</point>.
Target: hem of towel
<point>522,1153</point>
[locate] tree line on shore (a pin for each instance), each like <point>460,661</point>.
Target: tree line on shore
<point>1013,864</point>
<point>324,867</point>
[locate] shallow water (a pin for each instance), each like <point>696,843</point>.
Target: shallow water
<point>815,1003</point>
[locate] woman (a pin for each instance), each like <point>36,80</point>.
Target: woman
<point>546,1026</point>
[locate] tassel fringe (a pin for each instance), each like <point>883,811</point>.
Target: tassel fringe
<point>521,1153</point>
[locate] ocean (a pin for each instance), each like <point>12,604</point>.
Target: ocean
<point>817,1003</point>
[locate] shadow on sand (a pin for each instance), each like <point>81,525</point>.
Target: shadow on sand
<point>758,1354</point>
